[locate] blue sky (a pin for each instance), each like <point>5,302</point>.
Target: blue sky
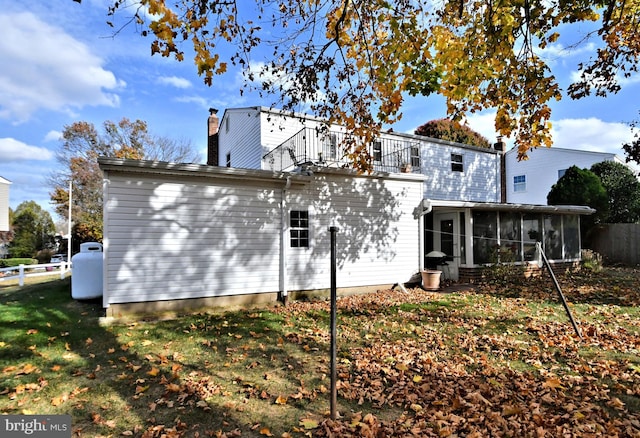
<point>61,64</point>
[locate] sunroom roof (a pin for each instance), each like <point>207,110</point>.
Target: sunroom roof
<point>429,204</point>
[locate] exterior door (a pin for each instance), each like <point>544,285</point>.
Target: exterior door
<point>447,240</point>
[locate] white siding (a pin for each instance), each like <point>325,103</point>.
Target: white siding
<point>249,133</point>
<point>478,182</point>
<point>170,239</point>
<point>541,170</point>
<point>186,236</point>
<point>377,238</point>
<point>239,135</point>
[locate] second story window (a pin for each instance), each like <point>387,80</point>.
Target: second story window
<point>457,165</point>
<point>377,151</point>
<point>561,173</point>
<point>415,157</point>
<point>228,159</point>
<point>520,183</point>
<point>299,228</point>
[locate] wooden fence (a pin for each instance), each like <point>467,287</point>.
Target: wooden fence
<point>618,243</point>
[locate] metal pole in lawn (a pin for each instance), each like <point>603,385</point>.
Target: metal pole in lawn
<point>557,285</point>
<point>334,389</point>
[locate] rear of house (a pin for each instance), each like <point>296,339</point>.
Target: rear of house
<point>270,139</point>
<point>253,224</point>
<point>180,236</point>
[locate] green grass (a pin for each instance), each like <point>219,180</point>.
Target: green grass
<point>408,363</point>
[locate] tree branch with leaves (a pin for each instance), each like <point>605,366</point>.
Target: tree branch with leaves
<point>354,62</point>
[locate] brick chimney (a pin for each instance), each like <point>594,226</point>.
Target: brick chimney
<point>213,123</point>
<point>501,147</point>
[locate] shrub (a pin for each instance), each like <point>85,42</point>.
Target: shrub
<point>10,263</point>
<point>591,260</point>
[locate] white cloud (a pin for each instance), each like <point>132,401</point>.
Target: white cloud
<point>587,134</point>
<point>45,68</point>
<point>12,150</point>
<point>53,136</point>
<point>175,81</point>
<point>554,52</point>
<point>591,134</point>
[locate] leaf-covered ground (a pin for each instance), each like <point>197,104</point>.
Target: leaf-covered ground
<point>498,359</point>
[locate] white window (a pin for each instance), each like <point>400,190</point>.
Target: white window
<point>520,183</point>
<point>415,156</point>
<point>377,151</point>
<point>457,164</point>
<point>299,228</point>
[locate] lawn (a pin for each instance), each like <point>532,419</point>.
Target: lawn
<point>501,359</point>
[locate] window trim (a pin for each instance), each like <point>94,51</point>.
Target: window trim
<point>414,156</point>
<point>457,165</point>
<point>519,186</point>
<point>300,228</point>
<point>377,151</point>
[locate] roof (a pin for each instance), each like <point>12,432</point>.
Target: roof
<point>429,204</point>
<point>301,175</point>
<point>4,180</point>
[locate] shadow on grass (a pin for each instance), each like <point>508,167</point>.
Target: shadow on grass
<point>179,376</point>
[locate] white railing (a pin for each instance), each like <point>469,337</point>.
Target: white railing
<point>23,271</point>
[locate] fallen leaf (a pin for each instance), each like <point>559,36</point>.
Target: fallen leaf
<point>308,423</point>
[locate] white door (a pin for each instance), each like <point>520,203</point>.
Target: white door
<point>447,240</point>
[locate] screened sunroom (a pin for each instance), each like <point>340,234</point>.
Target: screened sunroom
<point>476,234</point>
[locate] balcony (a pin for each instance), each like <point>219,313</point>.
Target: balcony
<point>309,146</point>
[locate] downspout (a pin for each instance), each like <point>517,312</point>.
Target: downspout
<point>283,243</point>
<point>419,212</point>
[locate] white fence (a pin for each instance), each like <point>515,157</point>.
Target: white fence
<point>23,271</point>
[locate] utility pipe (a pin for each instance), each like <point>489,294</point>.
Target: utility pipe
<point>283,242</point>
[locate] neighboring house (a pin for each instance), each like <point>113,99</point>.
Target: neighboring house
<point>252,225</point>
<point>529,181</point>
<point>4,204</point>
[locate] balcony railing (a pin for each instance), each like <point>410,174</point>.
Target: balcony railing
<point>309,146</point>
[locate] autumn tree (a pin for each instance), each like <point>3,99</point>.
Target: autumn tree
<point>33,230</point>
<point>353,62</point>
<point>451,130</point>
<point>623,191</point>
<point>81,146</point>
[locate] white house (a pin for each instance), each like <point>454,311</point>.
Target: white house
<point>270,139</point>
<point>194,235</point>
<point>4,204</point>
<point>464,187</point>
<point>529,181</point>
<point>252,224</point>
